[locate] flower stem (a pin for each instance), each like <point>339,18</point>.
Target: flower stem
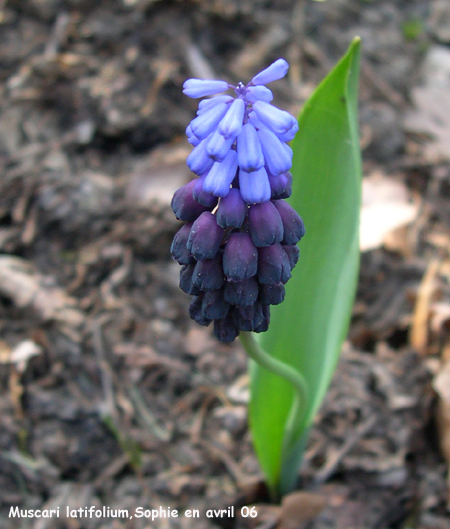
<point>299,403</point>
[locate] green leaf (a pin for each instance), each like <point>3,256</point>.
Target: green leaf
<point>308,328</point>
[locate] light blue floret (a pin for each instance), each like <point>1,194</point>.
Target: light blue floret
<point>198,161</point>
<point>231,124</point>
<point>205,104</point>
<point>219,178</point>
<point>277,70</point>
<point>192,138</point>
<point>207,121</point>
<point>250,156</point>
<point>278,159</point>
<point>201,87</point>
<point>218,147</point>
<point>258,93</point>
<point>255,186</point>
<point>278,120</point>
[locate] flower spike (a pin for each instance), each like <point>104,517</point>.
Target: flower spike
<point>239,244</point>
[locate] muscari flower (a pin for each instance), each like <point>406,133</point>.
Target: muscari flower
<point>239,244</point>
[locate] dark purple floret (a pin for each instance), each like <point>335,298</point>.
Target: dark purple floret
<point>214,306</point>
<point>273,265</point>
<point>186,284</point>
<point>205,237</point>
<point>272,294</point>
<point>179,249</point>
<point>184,204</point>
<point>240,259</point>
<point>225,330</point>
<point>232,210</point>
<point>250,318</point>
<point>265,224</point>
<point>288,191</point>
<point>294,229</point>
<point>293,253</point>
<point>243,293</point>
<point>243,318</point>
<point>278,184</point>
<point>260,317</point>
<point>264,325</point>
<point>196,312</point>
<point>208,275</point>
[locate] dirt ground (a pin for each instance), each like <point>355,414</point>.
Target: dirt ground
<point>109,394</point>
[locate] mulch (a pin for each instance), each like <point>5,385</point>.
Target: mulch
<point>109,394</point>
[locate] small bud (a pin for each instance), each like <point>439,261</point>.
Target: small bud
<point>207,121</point>
<point>272,294</point>
<point>178,249</point>
<point>206,104</point>
<point>232,210</point>
<point>240,258</point>
<point>231,124</point>
<point>205,237</point>
<point>265,224</point>
<point>289,134</point>
<point>196,312</point>
<point>259,93</point>
<point>214,306</point>
<point>277,70</point>
<point>221,175</point>
<point>294,229</point>
<point>202,87</point>
<point>255,186</point>
<point>218,147</point>
<point>198,161</point>
<point>225,330</point>
<point>208,274</point>
<point>241,294</point>
<point>293,253</point>
<point>265,320</point>
<point>243,318</point>
<point>277,120</point>
<point>278,184</point>
<point>192,138</point>
<point>186,285</point>
<point>276,156</point>
<point>250,156</point>
<point>273,265</point>
<point>251,318</point>
<point>184,204</point>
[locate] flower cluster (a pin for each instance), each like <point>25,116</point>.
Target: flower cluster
<point>239,244</point>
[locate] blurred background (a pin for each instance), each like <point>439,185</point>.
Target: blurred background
<point>109,394</point>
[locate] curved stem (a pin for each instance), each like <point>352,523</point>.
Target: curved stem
<point>298,407</point>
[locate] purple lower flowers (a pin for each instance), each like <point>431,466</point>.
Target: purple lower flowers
<point>239,244</point>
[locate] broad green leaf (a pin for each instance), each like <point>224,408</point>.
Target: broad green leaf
<point>308,328</point>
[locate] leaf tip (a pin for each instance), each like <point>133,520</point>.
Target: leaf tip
<point>355,44</point>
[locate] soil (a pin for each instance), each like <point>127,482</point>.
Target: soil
<point>110,395</point>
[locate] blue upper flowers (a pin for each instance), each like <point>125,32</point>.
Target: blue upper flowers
<point>245,133</point>
<point>239,244</point>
